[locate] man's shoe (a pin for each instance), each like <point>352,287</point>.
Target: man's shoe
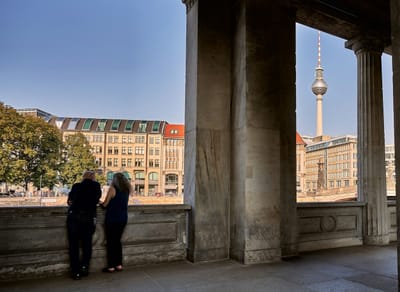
<point>84,271</point>
<point>76,276</point>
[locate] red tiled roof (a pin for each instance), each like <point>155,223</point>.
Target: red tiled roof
<point>299,140</point>
<point>174,131</point>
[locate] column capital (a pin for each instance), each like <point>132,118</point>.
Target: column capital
<point>368,43</point>
<point>189,4</point>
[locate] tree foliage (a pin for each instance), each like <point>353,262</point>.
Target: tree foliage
<point>30,149</point>
<point>77,158</point>
<point>11,125</point>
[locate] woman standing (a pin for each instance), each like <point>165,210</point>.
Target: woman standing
<point>116,204</point>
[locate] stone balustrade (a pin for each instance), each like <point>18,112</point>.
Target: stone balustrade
<point>33,241</point>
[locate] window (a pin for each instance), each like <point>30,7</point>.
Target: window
<point>129,163</point>
<point>156,126</point>
<point>151,163</point>
<point>115,162</point>
<point>116,139</point>
<point>59,122</point>
<point>139,175</point>
<point>140,139</point>
<point>115,150</point>
<point>171,179</point>
<point>72,123</point>
<point>139,162</point>
<point>151,151</point>
<point>123,162</point>
<point>139,150</point>
<point>123,150</point>
<point>109,150</point>
<point>98,138</point>
<point>158,140</point>
<point>115,125</point>
<point>157,151</point>
<point>142,127</point>
<point>130,150</point>
<point>129,126</point>
<point>124,139</point>
<point>109,161</point>
<point>97,149</point>
<point>157,163</point>
<point>101,125</point>
<point>153,176</point>
<point>87,124</point>
<point>151,140</point>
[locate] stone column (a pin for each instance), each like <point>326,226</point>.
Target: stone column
<point>395,19</point>
<point>263,206</point>
<point>207,128</point>
<point>371,139</point>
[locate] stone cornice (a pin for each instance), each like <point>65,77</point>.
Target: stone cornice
<point>189,4</point>
<point>366,43</point>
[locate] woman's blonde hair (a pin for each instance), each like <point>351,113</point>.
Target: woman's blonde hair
<point>121,183</point>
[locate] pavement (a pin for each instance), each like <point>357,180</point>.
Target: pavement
<point>363,269</point>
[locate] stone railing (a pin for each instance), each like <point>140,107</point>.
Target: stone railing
<point>33,241</point>
<point>329,225</point>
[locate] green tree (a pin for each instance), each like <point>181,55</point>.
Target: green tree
<point>40,157</point>
<point>30,149</point>
<point>77,157</point>
<point>11,133</point>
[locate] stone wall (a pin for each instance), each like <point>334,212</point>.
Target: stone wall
<point>33,241</point>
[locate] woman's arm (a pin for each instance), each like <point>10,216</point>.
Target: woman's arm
<point>109,196</point>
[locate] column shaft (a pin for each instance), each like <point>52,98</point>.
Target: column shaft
<point>207,128</point>
<point>263,206</point>
<point>371,140</point>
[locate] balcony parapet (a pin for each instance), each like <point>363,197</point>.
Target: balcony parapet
<point>33,240</point>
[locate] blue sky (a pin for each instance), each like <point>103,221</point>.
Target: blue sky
<point>126,59</point>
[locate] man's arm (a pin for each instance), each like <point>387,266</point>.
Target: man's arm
<point>72,195</point>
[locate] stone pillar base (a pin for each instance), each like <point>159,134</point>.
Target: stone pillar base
<point>249,257</point>
<point>377,240</point>
<point>290,250</point>
<point>216,254</point>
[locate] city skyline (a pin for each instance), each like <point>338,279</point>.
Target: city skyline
<point>127,60</point>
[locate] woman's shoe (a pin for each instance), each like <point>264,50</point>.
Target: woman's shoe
<point>118,268</point>
<point>108,270</point>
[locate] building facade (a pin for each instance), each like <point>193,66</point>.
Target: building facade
<point>137,148</point>
<point>331,164</point>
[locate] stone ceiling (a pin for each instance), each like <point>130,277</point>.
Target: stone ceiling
<point>347,18</point>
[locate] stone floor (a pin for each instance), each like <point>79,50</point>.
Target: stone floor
<point>353,269</point>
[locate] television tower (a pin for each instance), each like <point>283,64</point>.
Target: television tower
<point>319,88</point>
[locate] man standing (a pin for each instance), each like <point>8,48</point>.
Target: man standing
<point>81,222</point>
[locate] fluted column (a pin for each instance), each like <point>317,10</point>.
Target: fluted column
<point>371,139</point>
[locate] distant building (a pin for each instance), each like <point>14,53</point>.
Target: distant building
<point>174,153</point>
<point>331,164</point>
<point>34,112</point>
<point>300,163</point>
<point>390,170</point>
